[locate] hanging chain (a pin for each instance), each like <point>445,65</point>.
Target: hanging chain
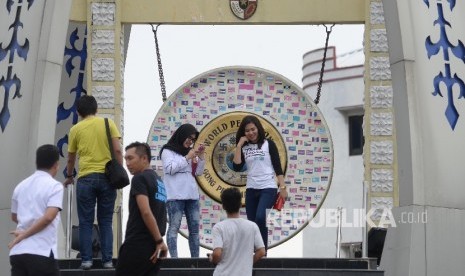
<point>160,67</point>
<point>320,81</point>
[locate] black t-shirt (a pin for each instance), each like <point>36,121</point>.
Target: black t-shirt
<point>150,184</point>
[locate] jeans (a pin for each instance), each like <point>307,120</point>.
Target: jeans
<point>190,208</point>
<point>91,189</point>
<point>256,204</point>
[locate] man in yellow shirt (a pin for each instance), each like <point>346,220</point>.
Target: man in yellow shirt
<point>88,140</point>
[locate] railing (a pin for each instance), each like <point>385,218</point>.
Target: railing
<point>364,228</point>
<point>339,232</point>
<point>69,218</point>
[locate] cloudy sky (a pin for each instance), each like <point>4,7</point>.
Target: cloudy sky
<point>187,51</point>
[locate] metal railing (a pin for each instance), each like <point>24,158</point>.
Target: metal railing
<point>69,218</point>
<point>339,232</point>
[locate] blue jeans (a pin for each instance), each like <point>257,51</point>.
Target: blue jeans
<point>257,201</point>
<point>190,208</point>
<point>91,189</point>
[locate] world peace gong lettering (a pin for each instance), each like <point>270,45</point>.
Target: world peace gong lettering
<point>219,138</point>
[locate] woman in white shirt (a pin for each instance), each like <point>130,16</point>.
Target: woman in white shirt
<point>180,163</point>
<point>262,159</point>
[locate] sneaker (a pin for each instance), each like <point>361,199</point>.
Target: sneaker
<point>108,264</point>
<point>86,265</point>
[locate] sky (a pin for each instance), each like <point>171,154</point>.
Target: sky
<point>189,50</point>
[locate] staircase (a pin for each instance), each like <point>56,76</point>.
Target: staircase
<point>265,267</point>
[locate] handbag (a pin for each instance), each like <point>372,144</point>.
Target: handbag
<point>116,174</point>
<point>279,204</point>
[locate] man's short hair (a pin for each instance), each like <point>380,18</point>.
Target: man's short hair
<point>141,149</point>
<point>231,199</point>
<point>86,105</point>
<point>46,157</point>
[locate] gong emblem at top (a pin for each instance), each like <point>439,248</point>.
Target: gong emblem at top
<point>243,9</point>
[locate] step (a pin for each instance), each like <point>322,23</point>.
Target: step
<point>266,266</point>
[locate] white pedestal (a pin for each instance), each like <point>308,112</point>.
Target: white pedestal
<point>426,241</point>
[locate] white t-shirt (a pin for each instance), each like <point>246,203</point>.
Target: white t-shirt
<point>239,239</point>
<point>177,176</point>
<point>30,200</point>
<point>260,172</point>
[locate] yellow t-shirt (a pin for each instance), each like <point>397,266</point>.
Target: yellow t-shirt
<point>88,139</point>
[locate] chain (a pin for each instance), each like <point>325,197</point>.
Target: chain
<point>320,81</point>
<point>160,67</point>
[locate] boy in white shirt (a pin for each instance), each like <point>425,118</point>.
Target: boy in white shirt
<point>35,205</point>
<point>237,243</point>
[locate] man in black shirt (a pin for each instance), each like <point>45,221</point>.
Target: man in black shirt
<point>143,246</point>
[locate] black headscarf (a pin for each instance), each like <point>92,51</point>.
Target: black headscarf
<point>179,136</point>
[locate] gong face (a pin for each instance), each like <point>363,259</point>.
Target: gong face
<point>215,102</point>
<point>219,138</point>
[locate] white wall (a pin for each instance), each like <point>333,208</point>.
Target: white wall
<point>339,98</point>
<point>32,42</point>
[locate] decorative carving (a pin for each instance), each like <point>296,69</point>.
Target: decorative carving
<point>378,40</point>
<point>103,41</point>
<point>379,205</point>
<point>445,47</point>
<point>13,46</point>
<point>381,96</point>
<point>103,14</point>
<point>122,59</point>
<point>376,13</point>
<point>105,96</point>
<point>382,152</point>
<point>103,69</point>
<point>75,53</point>
<point>380,68</point>
<point>381,124</point>
<point>122,73</point>
<point>382,180</point>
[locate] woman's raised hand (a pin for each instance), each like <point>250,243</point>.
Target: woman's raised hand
<point>242,141</point>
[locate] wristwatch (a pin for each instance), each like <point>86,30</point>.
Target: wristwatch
<point>282,187</point>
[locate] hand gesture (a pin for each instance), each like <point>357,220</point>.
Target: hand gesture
<point>68,181</point>
<point>283,193</point>
<point>160,253</point>
<point>191,154</point>
<point>201,151</point>
<point>19,236</point>
<point>242,141</point>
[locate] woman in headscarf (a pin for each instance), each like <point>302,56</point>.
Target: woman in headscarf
<point>181,162</point>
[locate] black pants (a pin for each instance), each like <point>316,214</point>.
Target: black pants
<point>134,260</point>
<point>33,265</point>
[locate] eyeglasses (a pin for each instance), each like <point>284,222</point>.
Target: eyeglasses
<point>192,139</point>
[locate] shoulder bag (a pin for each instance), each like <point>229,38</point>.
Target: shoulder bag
<point>116,174</point>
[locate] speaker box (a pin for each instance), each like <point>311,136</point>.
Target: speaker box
<point>376,237</point>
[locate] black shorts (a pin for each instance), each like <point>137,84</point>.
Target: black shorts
<point>134,260</point>
<point>33,265</point>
